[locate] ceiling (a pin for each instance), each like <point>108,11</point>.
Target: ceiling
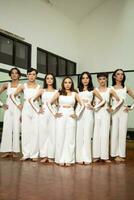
<point>76,10</point>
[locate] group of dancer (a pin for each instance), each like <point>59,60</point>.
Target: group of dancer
<point>66,126</point>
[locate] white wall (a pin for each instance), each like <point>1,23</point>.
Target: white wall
<point>40,25</point>
<point>107,37</point>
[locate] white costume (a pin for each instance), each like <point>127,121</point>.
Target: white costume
<point>84,129</point>
<point>30,148</point>
<point>47,128</point>
<point>119,126</point>
<point>65,131</point>
<point>11,125</point>
<point>102,128</point>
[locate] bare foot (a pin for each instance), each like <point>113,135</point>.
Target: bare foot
<point>34,159</point>
<point>68,164</point>
<point>15,155</point>
<point>95,160</point>
<point>5,155</point>
<point>23,159</point>
<point>117,159</point>
<point>50,160</point>
<point>107,161</point>
<point>44,160</point>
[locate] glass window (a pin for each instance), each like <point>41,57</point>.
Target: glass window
<point>41,61</point>
<point>6,50</point>
<point>22,55</point>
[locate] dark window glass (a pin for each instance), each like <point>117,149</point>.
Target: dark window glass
<point>52,64</point>
<point>61,67</point>
<point>71,68</point>
<point>22,55</point>
<point>6,50</point>
<point>41,62</point>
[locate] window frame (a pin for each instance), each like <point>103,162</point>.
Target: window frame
<point>15,40</point>
<point>57,67</point>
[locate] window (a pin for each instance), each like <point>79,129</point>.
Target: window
<point>41,61</point>
<point>6,50</point>
<point>22,55</point>
<point>61,66</point>
<point>48,62</point>
<point>52,64</point>
<point>15,52</point>
<point>71,68</point>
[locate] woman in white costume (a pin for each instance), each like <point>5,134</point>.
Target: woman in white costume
<point>119,118</point>
<point>46,119</point>
<point>66,122</point>
<point>102,120</point>
<point>85,121</point>
<point>29,116</point>
<point>10,143</point>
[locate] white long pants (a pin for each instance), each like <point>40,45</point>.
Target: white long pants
<point>65,137</point>
<point>30,147</point>
<point>47,134</point>
<point>118,133</point>
<point>83,136</point>
<point>101,134</point>
<point>11,131</point>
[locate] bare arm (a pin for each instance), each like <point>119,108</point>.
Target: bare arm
<point>113,93</point>
<point>36,97</point>
<point>96,93</point>
<point>131,94</point>
<point>49,104</point>
<point>78,112</point>
<point>16,93</point>
<point>119,102</point>
<point>101,103</point>
<point>2,89</point>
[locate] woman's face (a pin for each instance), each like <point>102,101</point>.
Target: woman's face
<point>67,84</point>
<point>85,80</point>
<point>49,80</point>
<point>102,80</point>
<point>14,75</point>
<point>32,76</point>
<point>119,75</point>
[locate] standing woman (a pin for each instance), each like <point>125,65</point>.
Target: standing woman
<point>85,121</point>
<point>11,125</point>
<point>46,119</point>
<point>29,116</point>
<point>119,118</point>
<point>66,122</point>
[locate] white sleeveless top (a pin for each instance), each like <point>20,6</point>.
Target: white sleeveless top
<point>105,95</point>
<point>86,96</point>
<point>30,92</point>
<point>121,93</point>
<point>47,96</point>
<point>67,100</point>
<point>11,90</point>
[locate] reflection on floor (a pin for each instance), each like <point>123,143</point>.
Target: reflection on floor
<point>99,181</point>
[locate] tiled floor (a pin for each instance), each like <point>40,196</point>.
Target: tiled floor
<point>35,181</point>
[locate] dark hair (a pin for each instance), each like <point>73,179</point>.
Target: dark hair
<point>113,77</point>
<point>54,81</point>
<point>90,84</point>
<point>31,70</point>
<point>14,68</point>
<point>102,74</point>
<point>62,91</point>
